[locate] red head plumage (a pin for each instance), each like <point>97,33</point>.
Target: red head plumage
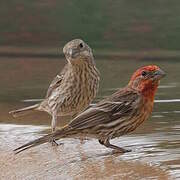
<point>146,80</point>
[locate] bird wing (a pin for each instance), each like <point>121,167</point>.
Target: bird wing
<point>119,105</point>
<point>56,81</point>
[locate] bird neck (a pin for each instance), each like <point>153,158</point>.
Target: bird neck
<point>146,88</point>
<point>149,91</point>
<point>82,66</point>
<point>80,61</point>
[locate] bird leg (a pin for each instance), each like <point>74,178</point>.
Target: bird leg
<point>101,142</point>
<point>53,126</point>
<point>116,148</point>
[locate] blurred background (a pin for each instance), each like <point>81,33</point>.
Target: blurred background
<point>123,34</point>
<point>104,24</point>
<point>37,30</point>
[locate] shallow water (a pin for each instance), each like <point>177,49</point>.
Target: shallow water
<point>155,145</point>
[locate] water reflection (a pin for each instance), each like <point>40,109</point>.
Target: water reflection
<point>84,160</point>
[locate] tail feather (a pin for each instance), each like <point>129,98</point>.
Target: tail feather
<point>23,111</point>
<point>47,138</point>
<point>34,143</point>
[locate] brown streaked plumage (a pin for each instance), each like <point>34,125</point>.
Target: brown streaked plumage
<point>74,88</point>
<point>117,115</point>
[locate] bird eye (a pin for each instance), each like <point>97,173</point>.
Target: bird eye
<point>144,73</point>
<point>81,45</point>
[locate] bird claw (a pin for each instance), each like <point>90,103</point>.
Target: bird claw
<point>54,143</point>
<point>121,151</point>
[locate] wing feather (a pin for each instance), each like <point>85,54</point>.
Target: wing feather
<point>106,111</point>
<point>56,81</point>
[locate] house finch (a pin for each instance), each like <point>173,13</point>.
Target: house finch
<point>73,89</point>
<point>114,116</point>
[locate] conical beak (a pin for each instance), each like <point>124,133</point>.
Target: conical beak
<point>159,74</point>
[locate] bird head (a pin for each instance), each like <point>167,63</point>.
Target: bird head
<point>146,80</point>
<point>77,50</point>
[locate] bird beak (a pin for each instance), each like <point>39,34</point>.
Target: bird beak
<point>73,52</point>
<point>159,74</point>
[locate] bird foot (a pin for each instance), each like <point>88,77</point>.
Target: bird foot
<point>122,151</point>
<point>54,143</point>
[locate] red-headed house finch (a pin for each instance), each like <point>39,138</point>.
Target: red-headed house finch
<point>117,115</point>
<point>73,89</point>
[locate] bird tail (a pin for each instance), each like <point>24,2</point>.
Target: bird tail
<point>47,138</point>
<point>23,111</point>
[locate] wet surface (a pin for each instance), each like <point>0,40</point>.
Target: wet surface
<point>76,159</point>
<point>155,145</point>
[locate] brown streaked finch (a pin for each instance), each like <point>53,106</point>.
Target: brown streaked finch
<point>73,89</point>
